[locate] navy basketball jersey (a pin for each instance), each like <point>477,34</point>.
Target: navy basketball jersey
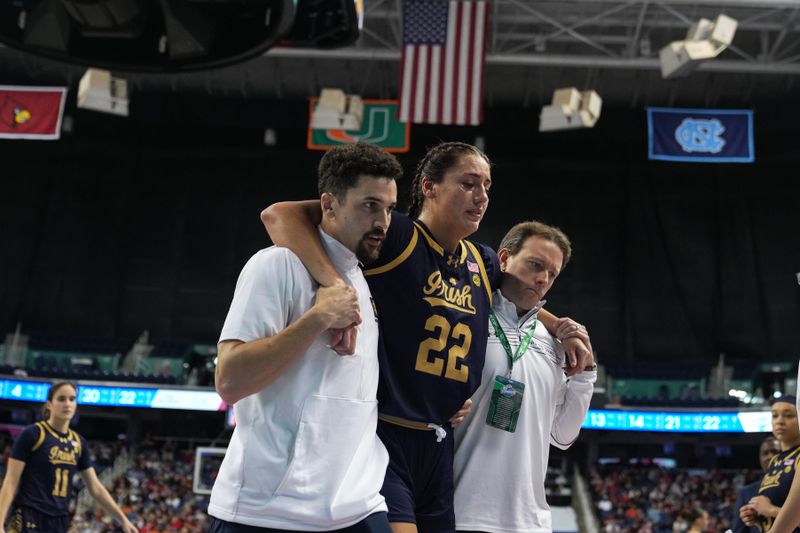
<point>434,315</point>
<point>51,460</point>
<point>776,482</point>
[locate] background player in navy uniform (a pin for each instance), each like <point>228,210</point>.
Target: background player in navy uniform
<point>433,290</point>
<point>43,461</point>
<point>780,472</point>
<point>789,515</point>
<point>769,448</point>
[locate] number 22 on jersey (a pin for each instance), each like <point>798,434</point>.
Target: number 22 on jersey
<point>440,327</point>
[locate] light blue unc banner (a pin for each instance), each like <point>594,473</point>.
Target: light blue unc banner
<point>700,135</point>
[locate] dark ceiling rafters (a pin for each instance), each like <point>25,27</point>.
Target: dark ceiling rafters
<point>535,47</point>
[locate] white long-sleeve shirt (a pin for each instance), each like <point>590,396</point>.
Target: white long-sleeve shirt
<point>500,476</point>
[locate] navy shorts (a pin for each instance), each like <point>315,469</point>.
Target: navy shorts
<point>419,481</point>
<point>29,520</point>
<point>374,523</point>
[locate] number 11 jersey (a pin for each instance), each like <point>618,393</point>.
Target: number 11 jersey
<point>51,460</point>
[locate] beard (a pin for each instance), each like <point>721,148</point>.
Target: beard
<point>366,253</point>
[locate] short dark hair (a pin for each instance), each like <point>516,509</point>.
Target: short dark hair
<point>342,165</point>
<point>520,233</point>
<point>769,440</point>
<point>436,162</point>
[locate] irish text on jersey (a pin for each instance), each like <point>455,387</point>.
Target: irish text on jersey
<point>58,456</point>
<point>445,293</point>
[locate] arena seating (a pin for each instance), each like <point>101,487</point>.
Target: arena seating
<point>155,493</point>
<point>649,499</point>
<point>97,358</point>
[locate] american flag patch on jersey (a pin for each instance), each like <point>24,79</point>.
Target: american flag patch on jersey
<point>472,266</point>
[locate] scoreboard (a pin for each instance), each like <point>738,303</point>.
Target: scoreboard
<point>208,400</point>
<point>680,421</point>
<point>110,395</point>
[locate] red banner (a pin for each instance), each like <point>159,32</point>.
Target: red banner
<point>31,112</point>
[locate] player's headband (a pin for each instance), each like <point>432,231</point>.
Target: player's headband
<point>786,398</point>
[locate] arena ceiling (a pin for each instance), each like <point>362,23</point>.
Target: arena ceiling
<point>534,47</point>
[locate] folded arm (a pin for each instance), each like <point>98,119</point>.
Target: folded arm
<point>764,507</point>
<point>748,515</point>
<point>737,524</point>
<point>293,225</point>
<point>789,513</point>
<point>245,368</point>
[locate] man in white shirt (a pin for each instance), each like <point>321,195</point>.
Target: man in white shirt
<point>304,455</point>
<point>525,402</point>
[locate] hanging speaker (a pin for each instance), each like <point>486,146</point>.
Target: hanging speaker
<point>146,35</point>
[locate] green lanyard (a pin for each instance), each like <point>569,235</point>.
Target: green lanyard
<point>523,344</point>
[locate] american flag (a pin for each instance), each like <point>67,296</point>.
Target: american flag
<point>444,47</point>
